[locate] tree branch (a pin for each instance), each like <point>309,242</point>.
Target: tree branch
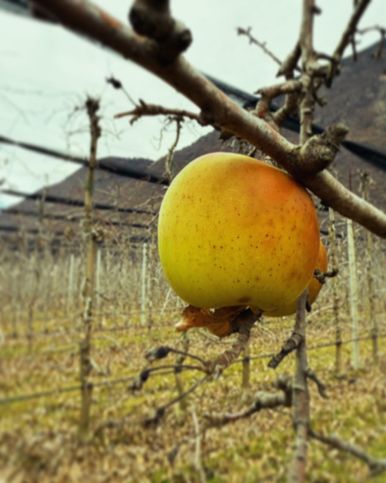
<point>244,321</point>
<point>289,346</point>
<point>348,37</point>
<point>89,20</point>
<point>350,29</point>
<point>263,46</point>
<point>376,466</point>
<point>145,109</point>
<point>263,400</point>
<point>290,63</point>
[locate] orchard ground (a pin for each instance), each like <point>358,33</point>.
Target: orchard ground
<point>39,436</point>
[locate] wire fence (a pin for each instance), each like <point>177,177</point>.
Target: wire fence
<point>130,378</point>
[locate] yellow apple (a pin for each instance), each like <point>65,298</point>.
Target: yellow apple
<point>313,287</point>
<point>234,231</point>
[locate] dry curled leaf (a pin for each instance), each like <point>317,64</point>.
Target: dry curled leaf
<point>218,322</point>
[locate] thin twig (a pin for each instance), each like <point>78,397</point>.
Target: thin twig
<point>169,168</point>
<point>262,45</point>
<point>376,466</point>
<point>145,109</point>
<point>263,400</point>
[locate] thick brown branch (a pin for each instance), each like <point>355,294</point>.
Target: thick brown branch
<point>83,17</point>
<point>319,151</point>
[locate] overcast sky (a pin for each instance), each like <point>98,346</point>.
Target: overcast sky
<point>47,73</point>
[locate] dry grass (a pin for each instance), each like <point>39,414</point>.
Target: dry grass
<point>39,439</point>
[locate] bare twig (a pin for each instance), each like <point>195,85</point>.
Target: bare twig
<point>145,109</point>
<point>319,384</point>
<point>350,29</point>
<point>117,84</point>
<point>161,410</point>
<point>348,37</point>
<point>92,107</point>
<point>291,344</point>
<point>321,277</point>
<point>169,168</point>
<point>263,400</point>
<point>376,466</point>
<point>139,381</point>
<point>163,351</point>
<point>253,41</point>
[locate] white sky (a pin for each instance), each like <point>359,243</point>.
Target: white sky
<point>46,72</point>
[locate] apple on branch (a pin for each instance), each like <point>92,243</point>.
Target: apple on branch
<point>236,232</point>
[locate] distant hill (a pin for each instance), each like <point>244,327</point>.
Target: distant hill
<point>357,97</point>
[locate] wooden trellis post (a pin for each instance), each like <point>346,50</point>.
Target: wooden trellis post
<point>92,107</point>
<point>365,182</point>
<point>144,287</point>
<point>98,270</point>
<point>70,283</point>
<point>334,287</point>
<point>353,294</point>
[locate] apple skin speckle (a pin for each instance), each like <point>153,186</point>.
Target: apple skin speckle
<point>228,218</point>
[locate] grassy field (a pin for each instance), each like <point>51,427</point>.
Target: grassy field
<point>39,439</point>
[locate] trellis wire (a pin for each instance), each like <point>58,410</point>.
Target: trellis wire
<point>60,390</point>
